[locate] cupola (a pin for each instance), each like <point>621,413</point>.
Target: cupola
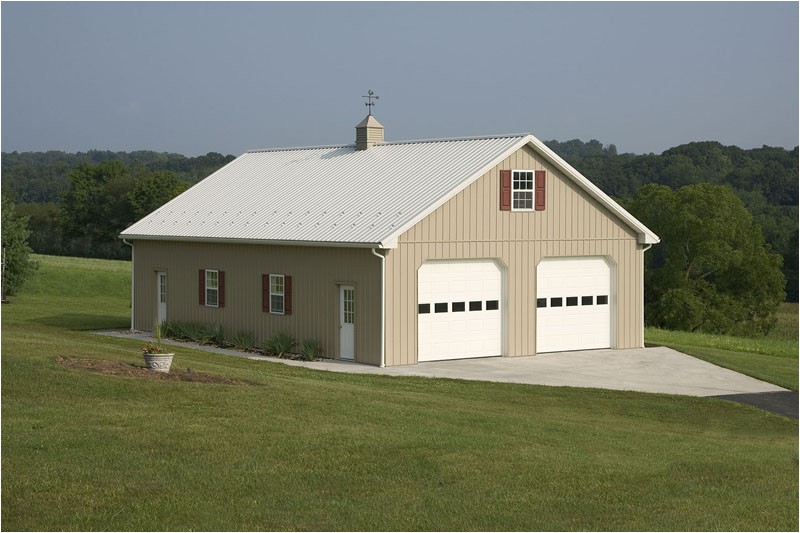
<point>369,132</point>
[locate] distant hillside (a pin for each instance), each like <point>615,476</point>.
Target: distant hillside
<point>766,179</point>
<point>41,177</point>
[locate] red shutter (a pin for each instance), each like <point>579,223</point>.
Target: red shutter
<point>202,287</point>
<point>287,295</point>
<point>221,288</point>
<point>265,293</point>
<point>540,190</point>
<point>505,190</point>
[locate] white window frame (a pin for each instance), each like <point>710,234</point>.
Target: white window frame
<point>212,289</point>
<point>274,293</point>
<point>531,193</point>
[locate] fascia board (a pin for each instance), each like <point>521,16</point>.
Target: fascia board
<point>395,235</point>
<point>217,240</point>
<point>645,234</point>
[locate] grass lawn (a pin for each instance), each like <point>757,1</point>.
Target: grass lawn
<point>772,359</point>
<point>296,449</point>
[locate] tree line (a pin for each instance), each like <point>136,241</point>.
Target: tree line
<point>77,204</point>
<point>728,217</point>
<point>764,179</point>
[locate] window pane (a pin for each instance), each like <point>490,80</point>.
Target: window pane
<point>211,279</point>
<point>458,307</point>
<point>424,308</point>
<point>602,300</point>
<point>587,300</point>
<point>572,301</point>
<point>276,303</point>
<point>541,302</point>
<point>556,302</point>
<point>476,306</point>
<point>492,305</point>
<point>440,307</point>
<point>276,284</point>
<point>211,297</point>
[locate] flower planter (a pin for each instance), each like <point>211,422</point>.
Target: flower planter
<point>158,362</point>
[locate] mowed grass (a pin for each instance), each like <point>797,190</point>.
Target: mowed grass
<point>773,359</point>
<point>296,449</point>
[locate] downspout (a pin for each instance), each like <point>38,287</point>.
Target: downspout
<point>133,277</point>
<point>383,304</point>
<point>642,317</point>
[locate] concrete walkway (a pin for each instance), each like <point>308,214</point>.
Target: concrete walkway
<point>660,370</point>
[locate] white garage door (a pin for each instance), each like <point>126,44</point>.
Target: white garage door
<point>459,312</point>
<point>573,304</point>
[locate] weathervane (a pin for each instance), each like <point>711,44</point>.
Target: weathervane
<point>369,103</point>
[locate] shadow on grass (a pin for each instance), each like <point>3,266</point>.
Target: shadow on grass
<point>82,321</point>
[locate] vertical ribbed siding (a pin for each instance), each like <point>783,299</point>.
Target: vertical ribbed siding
<point>316,276</point>
<point>471,226</point>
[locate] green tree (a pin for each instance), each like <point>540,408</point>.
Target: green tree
<point>45,224</point>
<point>96,208</point>
<point>154,190</point>
<point>16,253</point>
<point>712,271</point>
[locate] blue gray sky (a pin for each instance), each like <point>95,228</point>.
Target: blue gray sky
<point>194,77</point>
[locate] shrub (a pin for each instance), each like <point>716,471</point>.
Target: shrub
<point>243,340</point>
<point>218,336</point>
<point>310,349</point>
<point>278,344</point>
<point>189,331</point>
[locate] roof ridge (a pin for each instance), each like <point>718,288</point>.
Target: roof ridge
<point>389,143</point>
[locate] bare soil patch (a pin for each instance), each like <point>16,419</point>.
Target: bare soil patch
<point>117,368</point>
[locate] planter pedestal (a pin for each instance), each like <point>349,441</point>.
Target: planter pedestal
<point>158,362</point>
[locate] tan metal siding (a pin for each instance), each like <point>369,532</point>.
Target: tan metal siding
<point>316,276</point>
<point>471,226</point>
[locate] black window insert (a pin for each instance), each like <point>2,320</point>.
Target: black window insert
<point>492,305</point>
<point>556,302</point>
<point>440,307</point>
<point>476,306</point>
<point>572,301</point>
<point>424,308</point>
<point>587,300</point>
<point>541,302</point>
<point>458,307</point>
<point>602,300</point>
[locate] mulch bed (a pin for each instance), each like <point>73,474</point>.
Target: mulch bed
<point>117,368</point>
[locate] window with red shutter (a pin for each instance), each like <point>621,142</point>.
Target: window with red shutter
<point>540,190</point>
<point>212,288</point>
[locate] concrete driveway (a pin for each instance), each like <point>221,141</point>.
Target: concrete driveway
<point>646,370</point>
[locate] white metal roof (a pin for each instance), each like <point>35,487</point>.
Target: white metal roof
<point>338,195</point>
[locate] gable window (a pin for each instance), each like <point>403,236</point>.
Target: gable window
<point>212,288</point>
<point>276,294</point>
<point>522,190</point>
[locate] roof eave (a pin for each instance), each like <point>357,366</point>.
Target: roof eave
<point>222,240</point>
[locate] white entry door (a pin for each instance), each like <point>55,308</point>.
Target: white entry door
<point>161,296</point>
<point>459,311</point>
<point>574,301</point>
<point>347,321</point>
